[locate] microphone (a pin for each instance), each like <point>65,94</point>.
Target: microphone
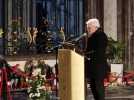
<point>80,37</point>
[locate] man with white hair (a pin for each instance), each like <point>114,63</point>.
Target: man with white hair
<point>96,68</point>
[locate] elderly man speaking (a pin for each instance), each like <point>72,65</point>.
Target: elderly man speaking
<point>96,68</point>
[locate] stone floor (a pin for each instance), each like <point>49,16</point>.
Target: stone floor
<point>112,93</point>
<point>116,93</point>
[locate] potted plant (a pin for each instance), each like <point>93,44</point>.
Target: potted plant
<point>115,51</point>
<point>115,54</point>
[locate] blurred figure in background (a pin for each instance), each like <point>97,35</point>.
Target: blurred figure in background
<point>41,38</point>
<point>43,26</point>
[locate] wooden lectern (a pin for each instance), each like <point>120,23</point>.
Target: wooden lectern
<point>71,75</point>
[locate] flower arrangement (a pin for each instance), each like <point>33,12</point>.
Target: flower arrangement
<point>42,85</point>
<point>37,90</point>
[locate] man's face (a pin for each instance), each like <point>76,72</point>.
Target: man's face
<point>91,28</point>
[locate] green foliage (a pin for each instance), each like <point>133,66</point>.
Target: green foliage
<point>1,32</point>
<point>37,90</point>
<point>15,25</point>
<point>115,51</point>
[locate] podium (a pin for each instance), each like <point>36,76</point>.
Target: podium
<point>71,75</point>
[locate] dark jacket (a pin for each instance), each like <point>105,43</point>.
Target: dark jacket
<point>97,67</point>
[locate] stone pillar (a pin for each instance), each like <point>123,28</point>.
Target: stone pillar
<point>94,9</point>
<point>1,12</point>
<point>110,18</point>
<point>9,13</point>
<point>27,13</point>
<point>34,13</point>
<point>24,13</point>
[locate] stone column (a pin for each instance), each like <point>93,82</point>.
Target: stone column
<point>9,13</point>
<point>27,13</point>
<point>110,18</point>
<point>1,13</point>
<point>94,9</point>
<point>34,13</point>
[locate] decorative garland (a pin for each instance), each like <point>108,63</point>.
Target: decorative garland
<point>4,86</point>
<point>4,82</point>
<point>6,73</point>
